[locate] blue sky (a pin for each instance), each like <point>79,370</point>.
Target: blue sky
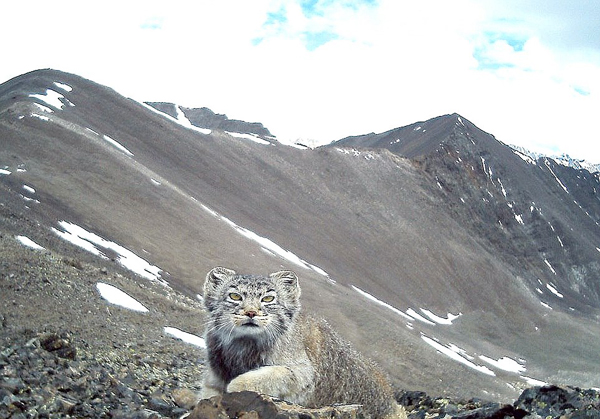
<point>319,70</point>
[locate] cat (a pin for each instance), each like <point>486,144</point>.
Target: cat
<point>258,340</point>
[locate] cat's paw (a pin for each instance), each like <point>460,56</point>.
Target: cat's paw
<point>249,381</point>
<point>266,380</point>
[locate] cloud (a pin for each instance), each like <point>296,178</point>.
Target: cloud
<point>565,25</point>
<point>325,69</point>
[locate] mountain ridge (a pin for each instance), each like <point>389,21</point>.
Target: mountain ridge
<point>205,118</point>
<point>389,249</point>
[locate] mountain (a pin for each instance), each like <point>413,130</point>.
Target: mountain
<point>563,159</point>
<point>539,215</point>
<point>463,267</point>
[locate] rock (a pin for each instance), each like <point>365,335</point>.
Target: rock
<point>557,401</point>
<point>492,411</point>
<point>13,385</point>
<point>410,399</point>
<point>161,406</point>
<point>61,345</point>
<point>184,398</point>
<point>250,405</point>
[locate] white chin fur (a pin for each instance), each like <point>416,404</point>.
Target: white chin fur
<point>246,330</point>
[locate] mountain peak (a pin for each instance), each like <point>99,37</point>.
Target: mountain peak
<point>418,139</point>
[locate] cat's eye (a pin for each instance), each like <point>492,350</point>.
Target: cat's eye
<point>268,298</point>
<point>235,296</point>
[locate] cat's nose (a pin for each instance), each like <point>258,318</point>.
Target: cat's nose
<point>251,314</point>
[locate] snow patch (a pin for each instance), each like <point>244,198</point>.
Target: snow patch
<point>505,364</point>
<point>356,153</point>
<point>117,297</point>
<point>502,187</point>
<point>117,145</point>
<point>29,189</point>
<point>186,337</point>
<point>42,117</point>
<point>460,351</point>
<point>51,98</point>
<point>184,121</point>
<point>525,157</point>
<point>554,291</point>
<point>27,242</point>
<point>251,137</point>
<point>555,177</point>
<point>386,305</point>
<point>181,122</point>
<point>441,320</point>
<point>549,266</point>
<point>8,172</point>
<point>63,86</point>
<point>533,381</point>
<point>269,245</point>
<point>43,108</point>
<point>449,352</point>
<point>418,317</point>
<point>28,199</point>
<point>92,242</point>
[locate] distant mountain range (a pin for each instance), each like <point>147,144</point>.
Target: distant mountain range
<point>563,159</point>
<point>461,265</point>
<point>204,118</point>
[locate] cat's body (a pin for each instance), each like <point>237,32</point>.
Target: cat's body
<point>257,340</point>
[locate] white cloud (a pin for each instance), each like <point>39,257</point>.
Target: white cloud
<point>385,64</point>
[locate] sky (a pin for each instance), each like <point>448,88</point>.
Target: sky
<point>315,71</point>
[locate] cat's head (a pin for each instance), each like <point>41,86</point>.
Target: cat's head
<point>251,304</point>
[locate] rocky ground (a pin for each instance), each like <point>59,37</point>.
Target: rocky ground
<point>67,353</point>
<point>52,375</point>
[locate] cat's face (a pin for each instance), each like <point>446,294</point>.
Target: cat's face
<point>251,305</point>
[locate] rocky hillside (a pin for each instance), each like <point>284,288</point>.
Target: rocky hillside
<point>541,216</point>
<point>463,268</point>
<point>112,362</point>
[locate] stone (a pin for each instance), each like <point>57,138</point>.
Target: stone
<point>250,405</point>
<point>61,346</point>
<point>184,398</point>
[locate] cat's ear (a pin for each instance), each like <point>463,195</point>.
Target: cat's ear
<point>289,287</point>
<point>286,277</point>
<point>216,277</point>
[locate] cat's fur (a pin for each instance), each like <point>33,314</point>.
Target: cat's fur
<point>258,341</point>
